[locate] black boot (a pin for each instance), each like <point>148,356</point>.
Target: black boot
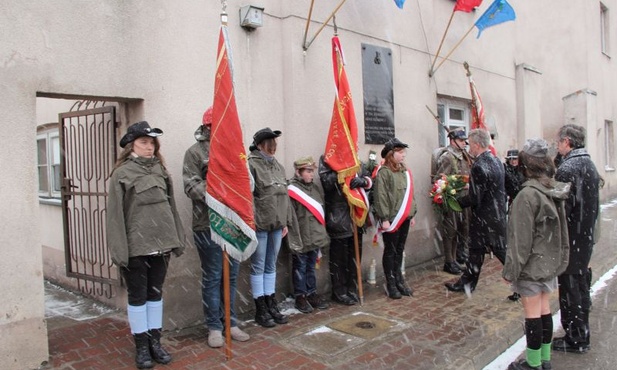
<point>143,360</point>
<point>262,316</point>
<point>402,286</point>
<point>391,288</point>
<point>158,353</point>
<point>273,309</point>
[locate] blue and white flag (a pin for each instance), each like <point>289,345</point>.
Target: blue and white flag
<point>499,12</point>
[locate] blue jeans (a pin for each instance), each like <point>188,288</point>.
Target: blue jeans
<point>211,256</point>
<point>303,274</point>
<point>263,261</point>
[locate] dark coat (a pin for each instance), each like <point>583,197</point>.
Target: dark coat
<point>513,182</point>
<point>338,216</point>
<point>582,208</point>
<point>487,199</point>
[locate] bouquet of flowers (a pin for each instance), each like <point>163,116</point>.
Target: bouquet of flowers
<point>445,190</point>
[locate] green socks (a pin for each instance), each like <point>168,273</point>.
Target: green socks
<point>534,357</point>
<point>546,351</point>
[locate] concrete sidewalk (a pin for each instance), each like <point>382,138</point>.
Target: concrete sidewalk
<point>435,329</point>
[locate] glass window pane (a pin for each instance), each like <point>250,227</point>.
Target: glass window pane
<point>55,150</point>
<point>56,177</point>
<point>43,184</point>
<point>456,114</point>
<point>42,151</point>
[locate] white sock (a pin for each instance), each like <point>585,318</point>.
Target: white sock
<point>155,314</point>
<point>138,319</point>
<point>257,285</point>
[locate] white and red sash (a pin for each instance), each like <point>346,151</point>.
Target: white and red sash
<point>403,212</point>
<point>306,200</point>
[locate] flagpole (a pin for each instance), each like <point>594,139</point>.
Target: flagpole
<point>452,51</point>
<point>430,73</point>
<point>358,263</point>
<point>308,22</point>
<point>306,46</point>
<point>227,300</point>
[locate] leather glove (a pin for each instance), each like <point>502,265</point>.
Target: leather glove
<point>358,182</point>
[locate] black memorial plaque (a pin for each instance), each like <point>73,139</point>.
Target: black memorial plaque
<point>378,94</point>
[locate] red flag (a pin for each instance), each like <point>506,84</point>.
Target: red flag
<point>228,183</point>
<point>341,152</point>
<point>466,5</point>
<point>477,112</point>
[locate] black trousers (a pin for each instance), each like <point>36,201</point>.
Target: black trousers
<point>575,302</point>
<point>474,263</point>
<point>343,273</point>
<point>393,247</point>
<point>144,277</point>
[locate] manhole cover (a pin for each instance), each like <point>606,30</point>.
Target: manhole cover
<point>363,326</point>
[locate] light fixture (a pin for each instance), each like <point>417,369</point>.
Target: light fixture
<point>251,17</point>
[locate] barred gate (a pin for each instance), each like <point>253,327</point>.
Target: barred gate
<point>88,153</point>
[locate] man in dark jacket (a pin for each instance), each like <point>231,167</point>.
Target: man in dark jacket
<point>514,177</point>
<point>582,209</point>
<point>339,225</point>
<point>487,199</point>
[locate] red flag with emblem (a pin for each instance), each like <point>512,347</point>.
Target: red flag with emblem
<point>341,152</point>
<point>228,183</point>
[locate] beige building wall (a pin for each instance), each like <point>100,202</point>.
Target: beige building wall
<point>157,59</point>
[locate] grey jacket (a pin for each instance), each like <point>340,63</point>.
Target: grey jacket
<point>538,247</point>
<point>141,212</point>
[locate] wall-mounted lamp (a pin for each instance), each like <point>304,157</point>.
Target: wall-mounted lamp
<point>251,17</point>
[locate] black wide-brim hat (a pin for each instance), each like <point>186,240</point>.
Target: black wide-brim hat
<point>265,133</point>
<point>391,145</point>
<point>139,129</point>
<point>512,154</point>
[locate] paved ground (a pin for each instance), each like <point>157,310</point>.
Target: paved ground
<point>434,329</point>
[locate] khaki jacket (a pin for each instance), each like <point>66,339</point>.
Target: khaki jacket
<point>538,246</point>
<point>388,193</point>
<point>271,202</point>
<point>141,212</point>
<point>309,233</point>
<point>194,173</point>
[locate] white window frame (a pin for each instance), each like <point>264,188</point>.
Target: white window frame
<point>52,190</point>
<point>604,29</point>
<point>609,146</point>
<point>449,122</point>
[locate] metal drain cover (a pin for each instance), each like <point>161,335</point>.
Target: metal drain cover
<point>363,325</point>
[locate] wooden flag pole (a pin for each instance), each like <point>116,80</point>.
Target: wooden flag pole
<point>358,263</point>
<point>308,22</point>
<point>441,43</point>
<point>227,300</point>
<point>306,45</point>
<point>432,73</point>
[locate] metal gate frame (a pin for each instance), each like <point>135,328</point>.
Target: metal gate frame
<point>88,154</point>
